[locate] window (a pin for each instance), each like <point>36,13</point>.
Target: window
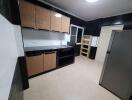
<point>76,33</point>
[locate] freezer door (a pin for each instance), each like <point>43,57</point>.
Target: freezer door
<point>117,71</point>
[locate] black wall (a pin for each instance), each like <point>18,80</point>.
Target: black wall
<point>94,27</point>
<point>9,9</point>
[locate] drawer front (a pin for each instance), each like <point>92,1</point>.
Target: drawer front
<point>65,52</point>
<point>34,64</point>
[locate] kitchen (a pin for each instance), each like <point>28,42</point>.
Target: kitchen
<point>55,49</point>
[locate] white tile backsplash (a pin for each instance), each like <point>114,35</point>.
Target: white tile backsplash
<point>32,43</point>
<point>43,38</point>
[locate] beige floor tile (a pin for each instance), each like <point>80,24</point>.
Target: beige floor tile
<point>78,81</point>
<point>32,96</point>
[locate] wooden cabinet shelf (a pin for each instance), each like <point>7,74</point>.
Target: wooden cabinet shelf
<point>84,52</point>
<point>84,48</point>
<point>85,45</point>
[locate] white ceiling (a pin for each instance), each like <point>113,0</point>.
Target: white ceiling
<point>91,11</point>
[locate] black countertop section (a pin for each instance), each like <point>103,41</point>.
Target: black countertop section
<point>44,48</point>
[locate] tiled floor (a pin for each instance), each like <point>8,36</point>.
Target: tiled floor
<point>78,81</point>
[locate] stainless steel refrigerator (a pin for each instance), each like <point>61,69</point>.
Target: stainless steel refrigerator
<point>117,70</point>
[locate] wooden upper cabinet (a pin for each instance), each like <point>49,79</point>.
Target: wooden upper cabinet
<point>42,18</point>
<point>65,24</point>
<point>55,22</point>
<point>27,13</point>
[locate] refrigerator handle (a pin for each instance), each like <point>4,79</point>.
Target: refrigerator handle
<point>111,41</point>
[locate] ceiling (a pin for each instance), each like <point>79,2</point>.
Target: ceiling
<point>91,11</point>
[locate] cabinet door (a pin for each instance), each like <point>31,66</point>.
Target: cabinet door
<point>43,18</point>
<point>27,13</point>
<point>49,61</point>
<point>34,64</point>
<point>65,24</point>
<point>55,22</point>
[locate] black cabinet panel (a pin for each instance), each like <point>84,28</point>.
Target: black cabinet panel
<point>65,57</point>
<point>24,74</point>
<point>93,52</point>
<point>77,50</point>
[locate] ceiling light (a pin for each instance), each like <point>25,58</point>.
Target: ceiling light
<point>58,15</point>
<point>91,0</point>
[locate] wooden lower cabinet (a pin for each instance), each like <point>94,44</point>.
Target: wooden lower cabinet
<point>34,64</point>
<point>49,61</point>
<point>38,63</point>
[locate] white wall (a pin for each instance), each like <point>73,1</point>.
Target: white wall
<point>43,38</point>
<point>104,39</point>
<point>19,41</point>
<point>10,49</point>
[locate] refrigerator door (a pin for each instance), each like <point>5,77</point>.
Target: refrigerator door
<point>107,55</point>
<point>117,71</point>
